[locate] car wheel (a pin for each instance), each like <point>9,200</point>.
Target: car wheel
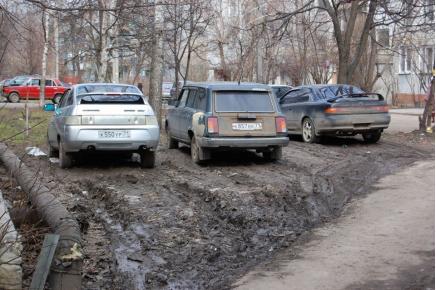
<point>274,155</point>
<point>14,97</point>
<point>371,137</point>
<point>148,158</point>
<point>56,98</point>
<point>198,154</point>
<point>52,152</point>
<point>308,131</point>
<point>172,143</point>
<point>65,159</point>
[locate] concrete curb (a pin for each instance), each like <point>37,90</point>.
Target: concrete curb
<point>11,274</point>
<point>67,265</point>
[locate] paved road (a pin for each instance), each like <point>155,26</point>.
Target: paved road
<point>403,123</point>
<point>385,241</point>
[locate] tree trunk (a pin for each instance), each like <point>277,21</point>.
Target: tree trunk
<point>44,59</point>
<point>426,119</point>
<point>156,66</point>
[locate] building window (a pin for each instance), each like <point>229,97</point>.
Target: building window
<point>429,9</point>
<point>383,37</point>
<point>405,59</point>
<point>426,59</point>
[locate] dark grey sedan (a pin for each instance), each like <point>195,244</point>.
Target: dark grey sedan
<point>340,110</point>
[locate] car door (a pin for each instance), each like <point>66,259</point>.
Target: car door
<point>296,104</point>
<point>33,89</point>
<point>63,110</point>
<point>176,113</point>
<point>186,114</point>
<point>49,89</point>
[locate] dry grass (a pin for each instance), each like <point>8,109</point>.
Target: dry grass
<point>12,126</point>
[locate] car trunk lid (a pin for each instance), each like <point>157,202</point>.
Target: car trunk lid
<point>245,113</point>
<point>358,104</point>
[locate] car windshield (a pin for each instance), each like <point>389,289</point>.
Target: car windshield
<point>106,88</point>
<point>335,91</point>
<point>243,101</point>
<point>111,99</point>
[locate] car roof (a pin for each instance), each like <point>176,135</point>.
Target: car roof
<point>76,86</point>
<point>319,86</point>
<point>280,86</point>
<point>218,86</point>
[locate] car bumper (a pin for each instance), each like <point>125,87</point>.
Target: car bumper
<point>77,138</point>
<point>352,123</point>
<point>249,143</point>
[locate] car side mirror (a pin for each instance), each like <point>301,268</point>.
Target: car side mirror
<point>49,107</point>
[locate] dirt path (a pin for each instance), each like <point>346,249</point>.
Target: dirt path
<point>384,241</point>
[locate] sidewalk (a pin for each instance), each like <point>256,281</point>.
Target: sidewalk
<point>384,241</point>
<point>408,111</point>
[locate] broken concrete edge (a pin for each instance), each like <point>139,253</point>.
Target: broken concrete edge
<point>11,272</point>
<point>65,273</point>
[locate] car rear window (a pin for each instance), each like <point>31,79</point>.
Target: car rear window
<point>243,101</point>
<point>335,91</point>
<point>106,88</point>
<point>111,99</point>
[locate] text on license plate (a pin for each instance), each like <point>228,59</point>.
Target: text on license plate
<point>247,126</point>
<point>113,134</point>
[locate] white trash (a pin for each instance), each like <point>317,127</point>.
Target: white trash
<point>35,151</point>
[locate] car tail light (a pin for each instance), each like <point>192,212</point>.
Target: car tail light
<point>281,125</point>
<point>151,120</point>
<point>73,120</point>
<point>383,109</point>
<point>334,110</point>
<point>369,109</point>
<point>212,125</point>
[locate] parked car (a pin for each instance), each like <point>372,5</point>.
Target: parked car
<point>102,117</point>
<point>341,110</point>
<point>280,90</point>
<point>166,90</point>
<point>29,89</point>
<point>3,83</point>
<point>213,116</point>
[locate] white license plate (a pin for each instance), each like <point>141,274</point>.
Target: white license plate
<point>113,134</point>
<point>247,126</point>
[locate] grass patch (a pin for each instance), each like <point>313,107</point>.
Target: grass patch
<point>12,122</point>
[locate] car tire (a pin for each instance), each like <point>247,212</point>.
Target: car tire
<point>14,97</point>
<point>371,137</point>
<point>56,98</point>
<point>172,143</point>
<point>148,159</point>
<point>198,154</point>
<point>273,155</point>
<point>308,131</point>
<point>65,158</point>
<point>52,152</point>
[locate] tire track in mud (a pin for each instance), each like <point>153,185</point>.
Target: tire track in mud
<point>194,227</point>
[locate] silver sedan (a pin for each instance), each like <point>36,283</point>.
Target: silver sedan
<point>102,117</point>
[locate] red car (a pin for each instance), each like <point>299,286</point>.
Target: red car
<point>54,89</point>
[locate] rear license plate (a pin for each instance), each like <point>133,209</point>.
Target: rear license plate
<point>113,134</point>
<point>247,126</point>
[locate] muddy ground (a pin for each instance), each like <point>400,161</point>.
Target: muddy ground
<point>184,226</point>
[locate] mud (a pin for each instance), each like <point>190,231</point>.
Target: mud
<point>183,226</point>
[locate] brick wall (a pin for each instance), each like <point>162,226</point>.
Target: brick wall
<point>405,100</point>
